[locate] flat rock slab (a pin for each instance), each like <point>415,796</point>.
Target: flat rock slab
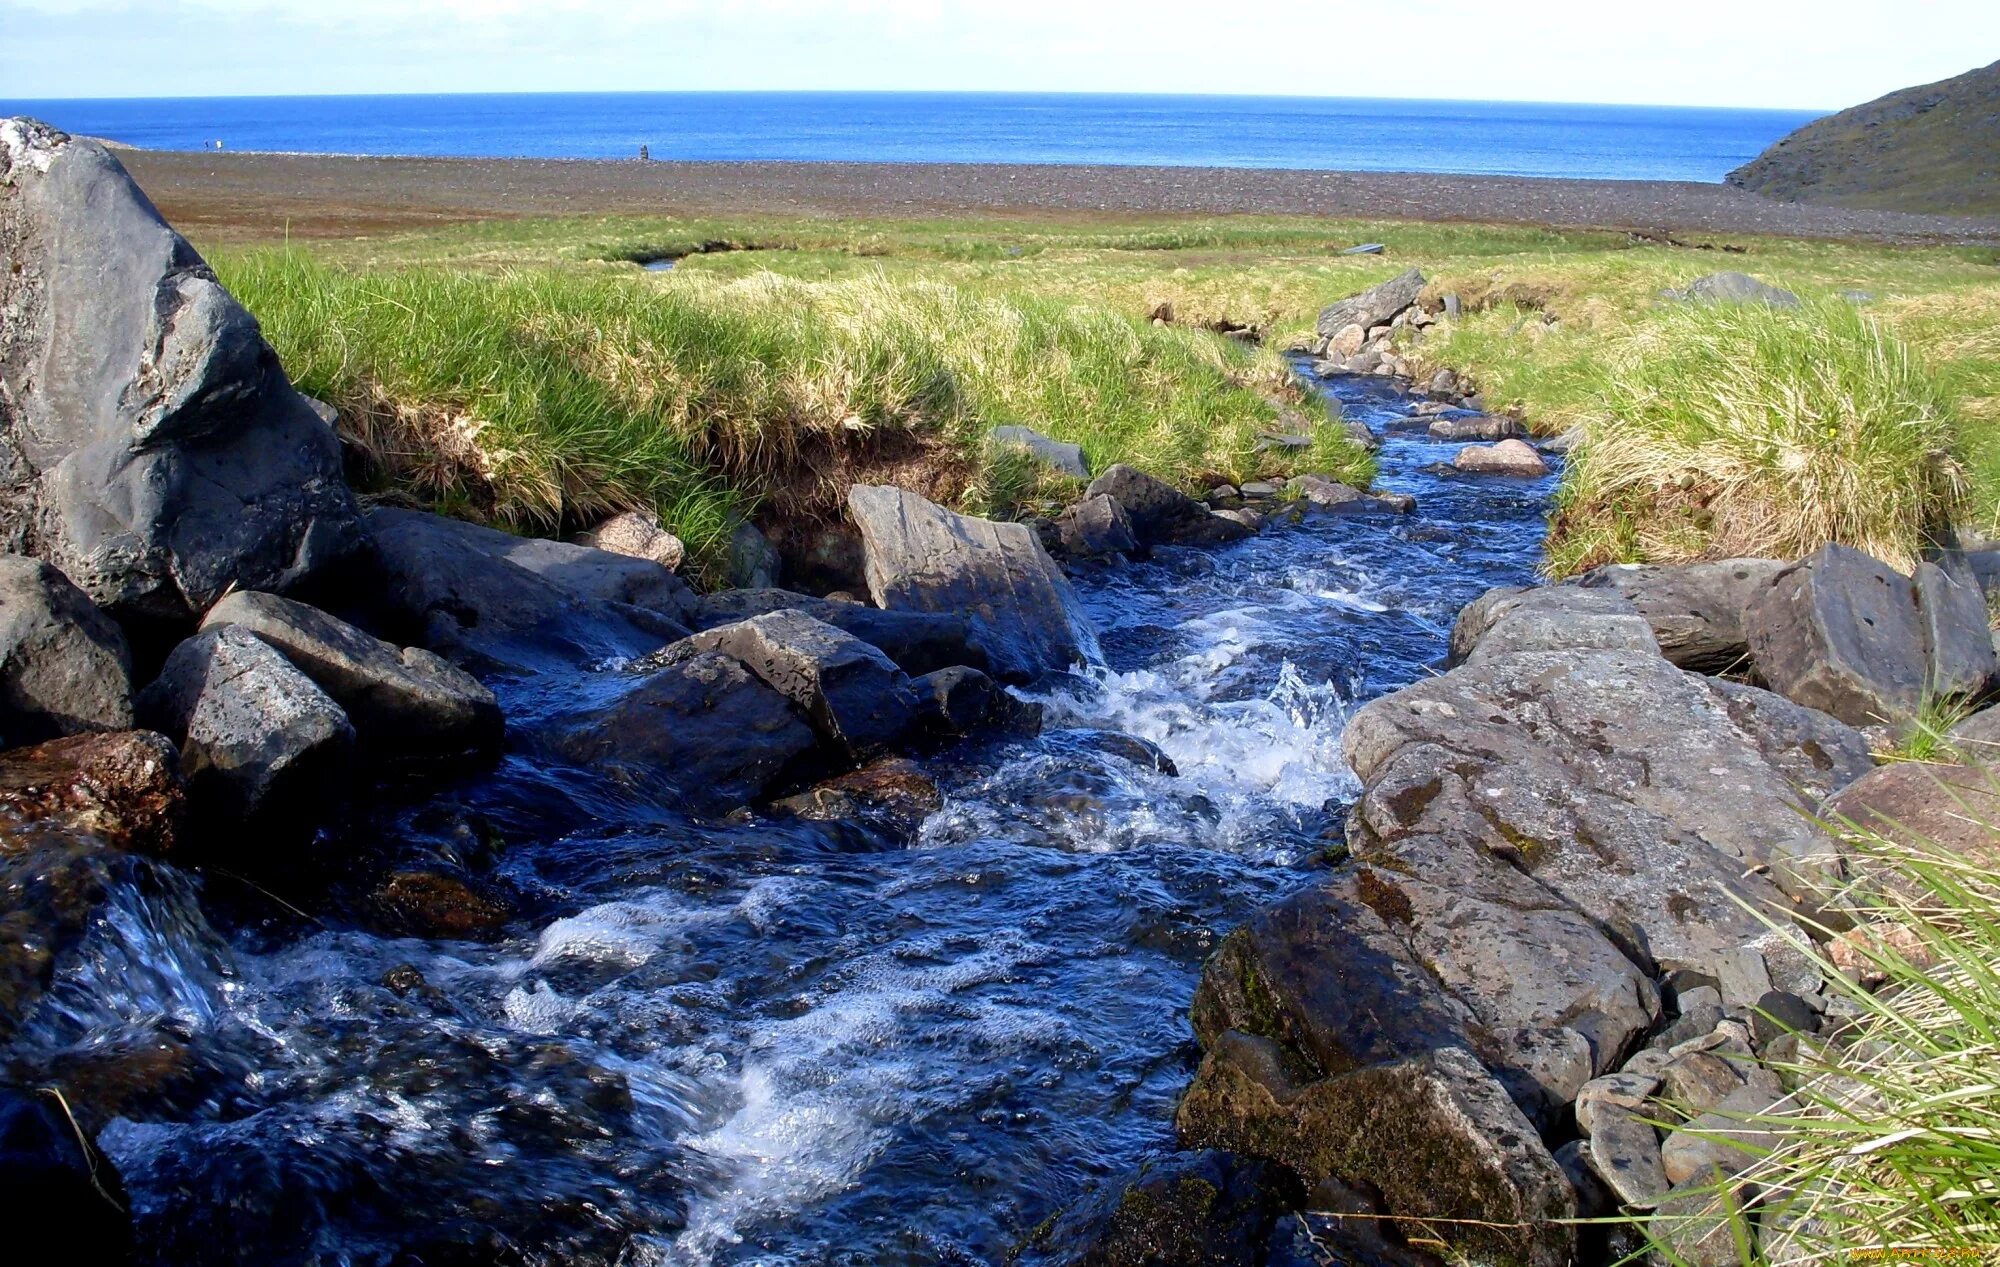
<point>703,731</point>
<point>1951,807</point>
<point>64,667</point>
<point>995,576</point>
<point>855,696</point>
<point>151,445</point>
<point>399,699</point>
<point>256,736</point>
<point>1840,632</point>
<point>1376,306</point>
<point>919,642</point>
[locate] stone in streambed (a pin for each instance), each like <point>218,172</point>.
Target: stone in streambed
<point>1477,427</point>
<point>438,903</point>
<point>702,729</point>
<point>918,641</point>
<point>855,697</point>
<point>892,793</point>
<point>996,576</point>
<point>399,699</point>
<point>1509,457</point>
<point>123,788</point>
<point>64,667</point>
<point>150,444</point>
<point>959,700</point>
<point>1160,514</point>
<point>257,738</point>
<point>1204,1209</point>
<point>1095,528</point>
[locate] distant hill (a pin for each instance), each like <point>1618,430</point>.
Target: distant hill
<point>1934,148</point>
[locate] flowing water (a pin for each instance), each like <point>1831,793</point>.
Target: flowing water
<point>792,1043</point>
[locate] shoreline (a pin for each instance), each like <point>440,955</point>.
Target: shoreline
<point>251,195</point>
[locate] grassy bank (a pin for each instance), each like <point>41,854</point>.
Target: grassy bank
<point>860,343</point>
<point>546,397</point>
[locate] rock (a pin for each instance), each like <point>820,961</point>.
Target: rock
<point>1839,632</point>
<point>1346,340</point>
<point>1698,1081</point>
<point>752,561</point>
<point>1696,610</point>
<point>637,535</point>
<point>1943,807</point>
<point>493,602</point>
<point>1565,444</point>
<point>1361,435</point>
<point>51,1172</point>
<point>1096,528</point>
<point>1725,1138</point>
<point>257,738</point>
<point>1161,514</point>
<point>1444,385</point>
<point>1328,495</point>
<point>1205,1209</point>
<point>892,793</point>
<point>1450,1155</point>
<point>1624,1152</point>
<point>1958,638</point>
<point>1736,288</point>
<point>919,642</point>
<point>957,701</point>
<point>64,667</point>
<point>702,728</point>
<point>922,557</point>
<point>1378,305</point>
<point>399,700</point>
<point>1557,618</point>
<point>1976,740</point>
<point>1396,503</point>
<point>1509,457</point>
<point>438,904</point>
<point>1477,427</point>
<point>1366,248</point>
<point>1260,490</point>
<point>150,445</point>
<point>123,788</point>
<point>1057,455</point>
<point>854,696</point>
<point>1248,518</point>
<point>1702,1224</point>
<point>1780,1012</point>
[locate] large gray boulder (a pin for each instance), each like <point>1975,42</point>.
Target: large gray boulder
<point>1376,306</point>
<point>493,602</point>
<point>702,730</point>
<point>855,696</point>
<point>257,738</point>
<point>1160,514</point>
<point>1096,528</point>
<point>922,557</point>
<point>1840,632</point>
<point>919,642</point>
<point>1736,288</point>
<point>64,667</point>
<point>403,700</point>
<point>1958,638</point>
<point>1696,609</point>
<point>150,444</point>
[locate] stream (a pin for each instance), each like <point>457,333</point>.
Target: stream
<point>789,1042</point>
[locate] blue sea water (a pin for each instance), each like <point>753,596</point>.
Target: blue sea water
<point>1508,138</point>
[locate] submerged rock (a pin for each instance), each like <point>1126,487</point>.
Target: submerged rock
<point>402,700</point>
<point>922,557</point>
<point>892,793</point>
<point>123,788</point>
<point>1204,1209</point>
<point>55,1175</point>
<point>703,730</point>
<point>257,738</point>
<point>150,444</point>
<point>64,667</point>
<point>855,696</point>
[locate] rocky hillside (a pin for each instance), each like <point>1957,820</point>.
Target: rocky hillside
<point>1934,148</point>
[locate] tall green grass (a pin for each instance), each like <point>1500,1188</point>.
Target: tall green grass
<point>1747,430</point>
<point>545,398</point>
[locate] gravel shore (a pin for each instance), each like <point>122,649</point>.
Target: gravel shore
<point>264,195</point>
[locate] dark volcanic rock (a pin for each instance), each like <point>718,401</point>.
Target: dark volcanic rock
<point>1096,527</point>
<point>490,601</point>
<point>123,788</point>
<point>1958,641</point>
<point>1376,306</point>
<point>1840,632</point>
<point>439,904</point>
<point>64,667</point>
<point>855,696</point>
<point>1160,514</point>
<point>1948,806</point>
<point>919,642</point>
<point>702,728</point>
<point>402,700</point>
<point>150,444</point>
<point>1205,1209</point>
<point>1478,427</point>
<point>958,700</point>
<point>257,738</point>
<point>1696,609</point>
<point>893,793</point>
<point>922,557</point>
<point>1932,148</point>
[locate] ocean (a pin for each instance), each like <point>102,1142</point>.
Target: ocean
<point>1329,134</point>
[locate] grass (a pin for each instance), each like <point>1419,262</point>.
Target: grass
<point>545,398</point>
<point>1707,433</point>
<point>1890,1144</point>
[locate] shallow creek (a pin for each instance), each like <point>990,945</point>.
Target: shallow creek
<point>795,1043</point>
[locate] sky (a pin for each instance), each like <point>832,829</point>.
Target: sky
<point>1804,54</point>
